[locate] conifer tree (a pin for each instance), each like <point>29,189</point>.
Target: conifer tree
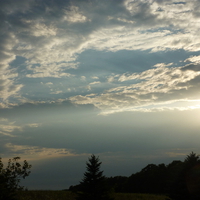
<point>187,186</point>
<point>93,186</point>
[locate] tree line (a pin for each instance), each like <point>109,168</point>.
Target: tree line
<point>179,180</point>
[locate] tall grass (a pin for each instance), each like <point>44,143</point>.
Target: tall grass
<point>66,195</point>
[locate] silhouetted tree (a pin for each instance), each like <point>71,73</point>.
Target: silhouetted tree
<point>150,179</point>
<point>10,177</point>
<point>93,185</point>
<point>191,160</point>
<point>187,185</point>
<point>173,174</point>
<point>118,183</point>
<point>180,180</point>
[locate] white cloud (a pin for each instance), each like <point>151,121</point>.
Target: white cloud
<point>152,30</point>
<point>3,120</point>
<point>50,70</point>
<point>122,38</point>
<point>83,78</point>
<point>195,59</point>
<point>95,77</point>
<point>51,43</point>
<point>61,45</point>
<point>95,82</point>
<point>88,87</point>
<point>8,128</point>
<point>161,84</point>
<point>65,44</point>
<point>49,83</point>
<point>160,107</point>
<point>35,152</point>
<point>111,79</point>
<point>34,125</point>
<point>6,104</point>
<point>57,92</point>
<point>8,87</point>
<point>38,28</point>
<point>73,15</point>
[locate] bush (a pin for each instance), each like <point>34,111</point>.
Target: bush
<point>10,177</point>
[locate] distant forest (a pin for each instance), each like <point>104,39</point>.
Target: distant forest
<point>178,180</point>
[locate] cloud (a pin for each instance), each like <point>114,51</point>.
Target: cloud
<point>34,125</point>
<point>52,70</point>
<point>83,78</point>
<point>192,67</point>
<point>160,84</point>
<point>167,107</point>
<point>57,92</point>
<point>10,128</point>
<point>39,29</point>
<point>195,59</point>
<point>11,7</point>
<point>115,28</point>
<point>95,82</point>
<point>111,79</point>
<point>151,29</point>
<point>8,87</point>
<point>51,36</point>
<point>49,83</point>
<point>73,15</point>
<point>7,127</point>
<point>178,153</point>
<point>95,77</point>
<point>35,152</point>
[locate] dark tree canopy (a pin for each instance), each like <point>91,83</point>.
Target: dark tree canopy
<point>187,183</point>
<point>93,185</point>
<point>10,177</point>
<point>180,180</point>
<point>191,160</point>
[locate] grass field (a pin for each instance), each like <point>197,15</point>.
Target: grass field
<point>46,195</point>
<point>64,195</point>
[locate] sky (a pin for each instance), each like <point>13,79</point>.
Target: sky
<point>116,78</point>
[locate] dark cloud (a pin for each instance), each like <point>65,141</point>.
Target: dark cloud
<point>192,67</point>
<point>142,13</point>
<point>196,12</point>
<point>41,109</point>
<point>180,2</point>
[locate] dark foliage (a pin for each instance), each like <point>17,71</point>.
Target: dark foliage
<point>150,179</point>
<point>180,180</point>
<point>10,177</point>
<point>118,183</point>
<point>93,186</point>
<point>187,185</point>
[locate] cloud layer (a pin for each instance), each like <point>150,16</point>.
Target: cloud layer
<point>50,41</point>
<point>162,84</point>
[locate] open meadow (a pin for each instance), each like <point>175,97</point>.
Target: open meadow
<point>65,195</point>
